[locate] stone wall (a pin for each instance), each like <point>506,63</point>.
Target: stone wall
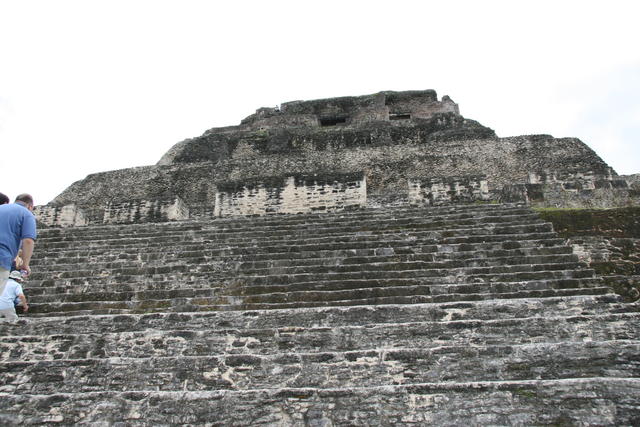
<point>571,189</point>
<point>556,196</point>
<point>193,183</point>
<point>633,180</point>
<point>577,180</point>
<point>138,211</point>
<point>293,194</point>
<point>607,239</point>
<point>389,156</point>
<point>60,216</point>
<point>445,190</point>
<point>578,188</point>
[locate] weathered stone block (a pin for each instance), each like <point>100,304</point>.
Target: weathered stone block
<point>138,211</point>
<point>301,194</point>
<point>60,216</point>
<point>444,190</point>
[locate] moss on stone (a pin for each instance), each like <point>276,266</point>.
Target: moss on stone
<point>607,268</point>
<point>626,287</point>
<point>525,393</point>
<point>619,222</point>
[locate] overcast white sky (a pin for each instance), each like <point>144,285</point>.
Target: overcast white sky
<point>89,86</point>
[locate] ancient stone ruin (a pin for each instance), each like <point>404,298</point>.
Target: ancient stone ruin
<point>387,149</point>
<point>369,260</point>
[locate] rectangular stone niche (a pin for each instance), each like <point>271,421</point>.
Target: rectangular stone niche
<point>399,116</point>
<point>333,121</point>
<point>447,190</point>
<point>60,216</point>
<point>140,211</point>
<point>291,195</point>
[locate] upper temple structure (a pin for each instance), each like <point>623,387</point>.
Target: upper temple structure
<point>390,148</point>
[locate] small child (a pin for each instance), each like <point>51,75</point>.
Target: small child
<point>12,290</point>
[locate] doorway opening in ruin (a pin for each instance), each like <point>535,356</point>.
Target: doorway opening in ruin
<point>333,121</point>
<point>399,116</point>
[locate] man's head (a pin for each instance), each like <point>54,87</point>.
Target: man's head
<point>3,199</point>
<point>26,200</point>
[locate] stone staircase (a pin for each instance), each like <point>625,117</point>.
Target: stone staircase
<point>445,316</point>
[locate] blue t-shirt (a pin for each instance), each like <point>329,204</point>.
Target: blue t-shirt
<point>11,292</point>
<point>16,223</point>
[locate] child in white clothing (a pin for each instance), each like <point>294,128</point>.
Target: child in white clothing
<point>12,290</point>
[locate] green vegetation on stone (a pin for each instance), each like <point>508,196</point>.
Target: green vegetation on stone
<point>618,222</point>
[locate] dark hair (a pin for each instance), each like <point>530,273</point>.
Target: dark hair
<point>25,198</point>
<point>3,199</point>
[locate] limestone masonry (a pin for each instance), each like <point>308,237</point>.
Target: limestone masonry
<point>409,147</point>
<point>359,261</point>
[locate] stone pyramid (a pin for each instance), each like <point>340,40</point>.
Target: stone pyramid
<point>355,261</point>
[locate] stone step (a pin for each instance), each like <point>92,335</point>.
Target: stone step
<point>257,223</point>
<point>468,256</point>
<point>413,232</point>
<point>263,341</point>
<point>304,251</point>
<point>251,284</point>
<point>510,273</point>
<point>237,304</point>
<point>226,303</point>
<point>540,361</point>
<point>328,317</point>
<point>471,315</point>
<point>39,294</point>
<point>400,263</point>
<point>36,301</point>
<point>381,289</point>
<point>310,266</point>
<point>407,243</point>
<point>322,291</point>
<point>162,284</point>
<point>579,401</point>
<point>280,231</point>
<point>424,253</point>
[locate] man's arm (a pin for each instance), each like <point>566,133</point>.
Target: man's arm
<point>23,299</point>
<point>27,251</point>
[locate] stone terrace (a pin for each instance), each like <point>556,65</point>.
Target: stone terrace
<point>473,314</point>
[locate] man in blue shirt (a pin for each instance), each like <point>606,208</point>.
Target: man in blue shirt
<point>13,290</point>
<point>17,229</point>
